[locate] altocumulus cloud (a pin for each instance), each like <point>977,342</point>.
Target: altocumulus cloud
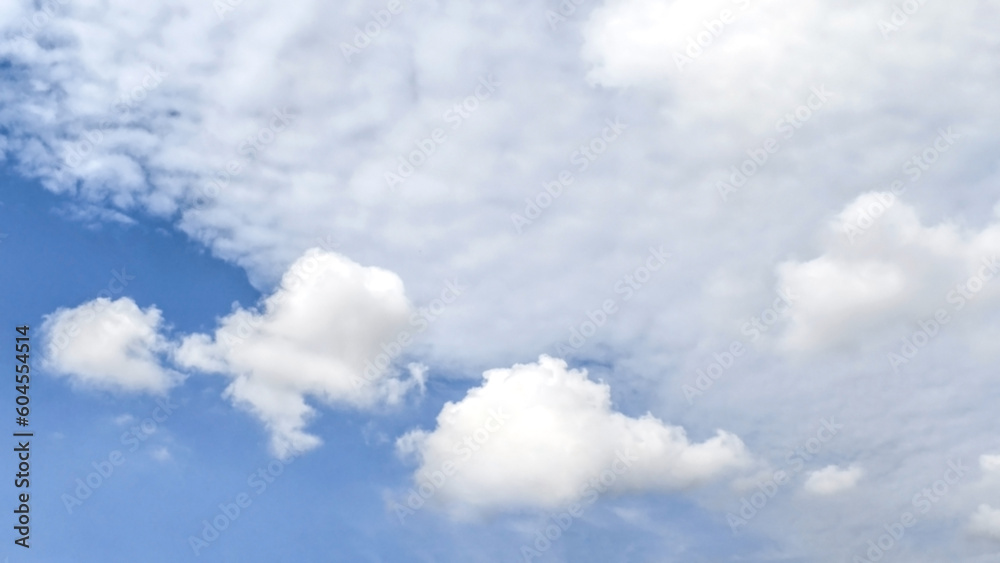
<point>535,435</point>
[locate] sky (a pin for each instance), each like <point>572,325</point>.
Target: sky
<point>575,280</point>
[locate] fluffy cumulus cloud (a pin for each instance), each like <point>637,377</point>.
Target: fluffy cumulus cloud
<point>111,345</point>
<point>883,269</point>
<point>832,479</point>
<point>331,331</point>
<point>542,435</point>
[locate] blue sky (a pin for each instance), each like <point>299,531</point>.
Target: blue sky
<point>621,280</point>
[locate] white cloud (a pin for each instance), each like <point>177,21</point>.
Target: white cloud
<point>542,435</point>
<point>694,52</point>
<point>320,334</point>
<point>213,83</point>
<point>990,463</point>
<point>883,269</point>
<point>832,480</point>
<point>633,41</point>
<point>985,522</point>
<point>124,419</point>
<point>93,216</point>
<point>109,345</point>
<point>332,330</point>
<point>161,453</point>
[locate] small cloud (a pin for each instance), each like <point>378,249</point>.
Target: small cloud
<point>985,522</point>
<point>111,345</point>
<point>374,436</point>
<point>161,453</point>
<point>418,373</point>
<point>989,463</point>
<point>634,516</point>
<point>832,479</point>
<point>93,216</point>
<point>124,419</point>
